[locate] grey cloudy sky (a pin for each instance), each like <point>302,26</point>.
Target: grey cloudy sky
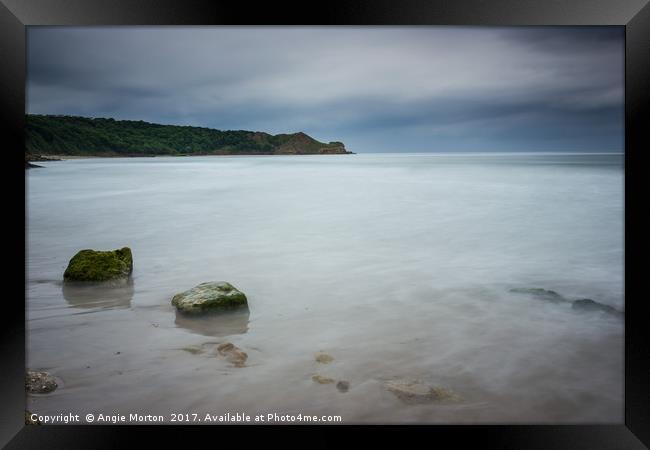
<point>375,89</point>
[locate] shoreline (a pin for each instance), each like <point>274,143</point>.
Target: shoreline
<point>48,158</point>
<point>66,157</point>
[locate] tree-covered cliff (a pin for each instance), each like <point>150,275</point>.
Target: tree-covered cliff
<point>70,135</point>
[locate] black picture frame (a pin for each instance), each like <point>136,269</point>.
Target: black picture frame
<point>634,15</point>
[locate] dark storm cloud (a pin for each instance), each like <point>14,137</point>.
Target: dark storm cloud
<point>564,39</point>
<point>376,89</point>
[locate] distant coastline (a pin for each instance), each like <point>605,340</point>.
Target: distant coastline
<point>67,137</point>
<point>107,156</point>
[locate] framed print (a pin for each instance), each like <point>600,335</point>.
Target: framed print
<point>416,219</point>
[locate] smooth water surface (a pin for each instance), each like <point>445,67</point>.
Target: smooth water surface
<point>397,265</point>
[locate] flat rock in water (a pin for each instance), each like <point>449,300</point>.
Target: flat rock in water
<point>413,391</point>
<point>93,265</point>
<point>39,382</point>
<point>210,296</point>
<point>233,354</point>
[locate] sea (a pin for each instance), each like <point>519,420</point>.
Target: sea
<point>399,266</point>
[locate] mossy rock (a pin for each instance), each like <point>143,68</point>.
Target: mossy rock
<point>93,265</point>
<point>210,296</point>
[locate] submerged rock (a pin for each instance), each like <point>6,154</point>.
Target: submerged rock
<point>200,348</point>
<point>93,265</point>
<point>39,382</point>
<point>193,349</point>
<point>583,304</point>
<point>323,358</point>
<point>343,386</point>
<point>586,304</point>
<point>233,354</point>
<point>210,296</point>
<point>541,294</point>
<point>322,380</point>
<point>413,391</point>
<point>225,347</point>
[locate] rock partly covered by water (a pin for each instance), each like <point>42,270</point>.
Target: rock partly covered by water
<point>586,304</point>
<point>210,296</point>
<point>93,265</point>
<point>39,382</point>
<point>324,358</point>
<point>583,304</point>
<point>233,354</point>
<point>541,294</point>
<point>413,391</point>
<point>341,385</point>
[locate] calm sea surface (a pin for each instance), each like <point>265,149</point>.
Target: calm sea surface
<point>397,265</point>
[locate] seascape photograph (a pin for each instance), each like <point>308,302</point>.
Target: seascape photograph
<point>324,225</point>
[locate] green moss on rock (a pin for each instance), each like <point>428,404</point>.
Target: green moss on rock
<point>92,265</point>
<point>210,296</point>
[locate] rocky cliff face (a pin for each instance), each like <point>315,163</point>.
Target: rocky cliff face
<point>303,144</point>
<point>334,150</point>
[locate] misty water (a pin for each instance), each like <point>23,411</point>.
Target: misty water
<point>399,266</point>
